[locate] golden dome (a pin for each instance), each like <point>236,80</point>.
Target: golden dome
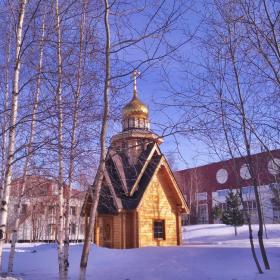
<point>135,108</point>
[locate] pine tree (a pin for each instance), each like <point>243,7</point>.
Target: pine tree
<point>233,215</point>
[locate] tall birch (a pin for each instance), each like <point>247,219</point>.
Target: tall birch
<point>12,128</point>
<point>29,151</point>
<point>246,214</point>
<point>246,141</point>
<point>96,188</point>
<point>60,238</point>
<point>4,126</point>
<point>77,94</point>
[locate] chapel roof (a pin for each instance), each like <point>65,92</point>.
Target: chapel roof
<point>124,190</point>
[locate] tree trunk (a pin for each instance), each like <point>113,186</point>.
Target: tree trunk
<point>224,126</point>
<point>60,238</point>
<point>12,130</point>
<point>101,168</point>
<point>5,119</point>
<point>73,137</point>
<point>255,186</point>
<point>29,153</point>
<point>248,153</point>
<point>253,250</point>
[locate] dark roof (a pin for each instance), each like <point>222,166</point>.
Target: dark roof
<point>106,202</point>
<point>131,202</point>
<point>120,174</point>
<point>132,172</point>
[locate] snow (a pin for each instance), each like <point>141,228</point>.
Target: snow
<point>209,252</point>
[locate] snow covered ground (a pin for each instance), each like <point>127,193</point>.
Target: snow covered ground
<point>209,252</point>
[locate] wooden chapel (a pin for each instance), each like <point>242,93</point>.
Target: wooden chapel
<point>141,203</point>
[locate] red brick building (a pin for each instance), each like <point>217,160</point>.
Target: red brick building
<point>206,186</point>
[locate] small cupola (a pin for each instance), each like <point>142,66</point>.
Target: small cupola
<point>135,114</point>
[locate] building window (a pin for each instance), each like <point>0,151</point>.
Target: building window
<point>82,226</point>
<point>250,206</point>
<point>202,215</point>
<point>248,190</point>
<point>73,228</point>
<point>141,123</point>
<point>201,196</point>
<point>159,229</point>
<point>131,122</point>
<point>16,208</point>
<point>73,210</point>
<point>51,229</point>
<point>23,209</point>
<point>274,166</point>
<point>245,172</point>
<point>51,210</point>
<point>222,193</point>
<point>222,176</point>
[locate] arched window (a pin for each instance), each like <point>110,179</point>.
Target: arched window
<point>137,122</point>
<point>141,123</point>
<point>125,124</point>
<point>130,123</point>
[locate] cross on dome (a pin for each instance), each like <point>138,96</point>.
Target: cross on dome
<point>135,75</point>
<point>135,113</point>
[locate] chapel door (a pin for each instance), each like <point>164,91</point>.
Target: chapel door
<point>107,232</point>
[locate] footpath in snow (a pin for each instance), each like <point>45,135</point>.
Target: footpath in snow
<point>210,252</point>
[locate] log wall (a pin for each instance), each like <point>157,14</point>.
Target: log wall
<point>158,203</point>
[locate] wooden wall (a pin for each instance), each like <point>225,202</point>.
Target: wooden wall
<point>122,231</point>
<point>115,231</point>
<point>134,229</point>
<point>158,202</point>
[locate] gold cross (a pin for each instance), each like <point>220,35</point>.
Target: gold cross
<point>135,74</point>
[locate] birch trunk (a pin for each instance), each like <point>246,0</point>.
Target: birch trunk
<point>73,138</point>
<point>5,116</point>
<point>12,130</point>
<point>60,238</point>
<point>247,216</point>
<point>250,163</point>
<point>29,153</point>
<point>95,190</point>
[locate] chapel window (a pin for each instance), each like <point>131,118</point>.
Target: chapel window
<point>130,123</point>
<point>159,229</point>
<point>141,123</point>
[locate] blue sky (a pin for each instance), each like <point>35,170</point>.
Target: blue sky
<point>183,152</point>
<point>186,152</point>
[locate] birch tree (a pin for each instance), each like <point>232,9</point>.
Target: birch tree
<point>29,151</point>
<point>5,120</point>
<point>60,239</point>
<point>12,127</point>
<point>95,191</point>
<point>75,120</point>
